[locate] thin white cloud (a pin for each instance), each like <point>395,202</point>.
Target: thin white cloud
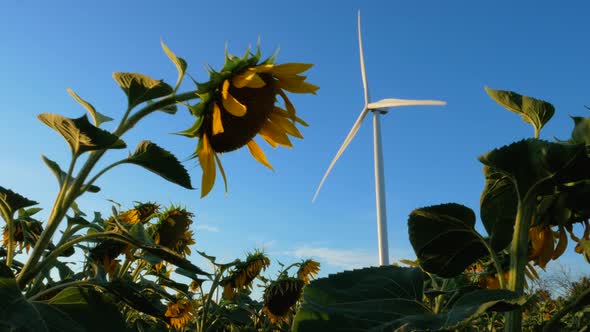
<point>207,228</point>
<point>342,258</point>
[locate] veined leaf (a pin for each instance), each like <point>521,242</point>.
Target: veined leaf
<point>498,204</point>
<point>444,238</point>
<point>14,201</point>
<point>140,88</point>
<point>180,64</point>
<point>388,298</point>
<point>98,117</point>
<point>534,111</point>
<point>80,134</point>
<point>541,164</point>
<point>154,158</point>
<point>61,175</point>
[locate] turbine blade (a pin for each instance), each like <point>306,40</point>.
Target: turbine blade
<point>351,134</point>
<point>362,57</point>
<point>391,102</point>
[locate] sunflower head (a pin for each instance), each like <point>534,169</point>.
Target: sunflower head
<point>105,254</point>
<point>25,234</point>
<point>179,313</point>
<point>244,273</point>
<point>240,102</point>
<point>307,270</point>
<point>141,213</point>
<point>172,230</point>
<point>280,297</point>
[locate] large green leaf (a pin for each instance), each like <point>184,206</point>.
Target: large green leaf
<point>80,134</point>
<point>154,158</point>
<point>541,164</point>
<point>498,205</point>
<point>14,201</point>
<point>534,111</point>
<point>361,299</point>
<point>180,63</point>
<point>444,238</point>
<point>61,175</point>
<point>140,88</point>
<point>388,298</point>
<point>96,116</point>
<point>133,295</point>
<point>89,309</point>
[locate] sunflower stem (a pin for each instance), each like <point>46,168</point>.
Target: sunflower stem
<point>519,257</point>
<point>209,299</point>
<point>495,260</point>
<point>4,211</point>
<point>76,283</point>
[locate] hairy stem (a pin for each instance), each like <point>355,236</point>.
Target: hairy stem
<point>519,258</point>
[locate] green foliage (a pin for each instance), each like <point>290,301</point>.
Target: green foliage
<point>154,158</point>
<point>140,88</point>
<point>12,201</point>
<point>81,135</point>
<point>389,298</point>
<point>98,117</point>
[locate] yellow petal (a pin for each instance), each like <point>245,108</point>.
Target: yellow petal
<point>248,79</point>
<point>276,133</point>
<point>269,140</point>
<point>264,68</point>
<point>221,170</point>
<point>258,154</point>
<point>285,124</point>
<point>217,124</point>
<point>561,243</point>
<point>297,86</point>
<point>231,104</point>
<point>290,68</point>
<point>207,160</point>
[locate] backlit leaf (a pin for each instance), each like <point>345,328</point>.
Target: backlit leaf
<point>140,88</point>
<point>96,116</point>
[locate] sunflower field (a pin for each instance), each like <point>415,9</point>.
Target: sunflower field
<point>136,270</point>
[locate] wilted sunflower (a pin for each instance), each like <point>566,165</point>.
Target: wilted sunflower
<point>25,233</point>
<point>244,273</point>
<point>543,247</point>
<point>280,296</point>
<point>106,252</point>
<point>239,102</point>
<point>308,269</point>
<point>172,230</point>
<point>179,313</point>
<point>141,213</point>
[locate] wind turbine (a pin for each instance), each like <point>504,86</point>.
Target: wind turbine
<point>377,108</point>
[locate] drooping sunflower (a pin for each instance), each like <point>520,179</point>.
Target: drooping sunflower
<point>172,230</point>
<point>105,254</point>
<point>240,102</point>
<point>141,213</point>
<point>179,313</point>
<point>280,297</point>
<point>244,273</point>
<point>25,234</point>
<point>307,270</point>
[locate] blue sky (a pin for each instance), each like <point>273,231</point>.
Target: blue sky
<point>413,49</point>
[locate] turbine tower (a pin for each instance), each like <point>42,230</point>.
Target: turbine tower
<point>377,108</point>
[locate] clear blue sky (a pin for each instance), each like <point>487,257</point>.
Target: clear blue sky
<point>414,49</point>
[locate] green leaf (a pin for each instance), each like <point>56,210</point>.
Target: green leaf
<point>14,201</point>
<point>133,295</point>
<point>140,234</point>
<point>153,158</point>
<point>581,131</point>
<point>60,175</point>
<point>540,165</point>
<point>359,300</point>
<point>534,111</point>
<point>388,298</point>
<point>193,131</point>
<point>96,116</point>
<point>140,88</point>
<point>180,64</point>
<point>80,134</point>
<point>89,309</point>
<point>498,204</point>
<point>444,238</point>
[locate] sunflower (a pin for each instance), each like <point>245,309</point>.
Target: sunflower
<point>106,252</point>
<point>172,230</point>
<point>244,273</point>
<point>280,297</point>
<point>25,234</point>
<point>308,269</point>
<point>238,103</point>
<point>141,213</point>
<point>179,313</point>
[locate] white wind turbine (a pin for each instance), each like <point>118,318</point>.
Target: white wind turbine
<point>380,107</point>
